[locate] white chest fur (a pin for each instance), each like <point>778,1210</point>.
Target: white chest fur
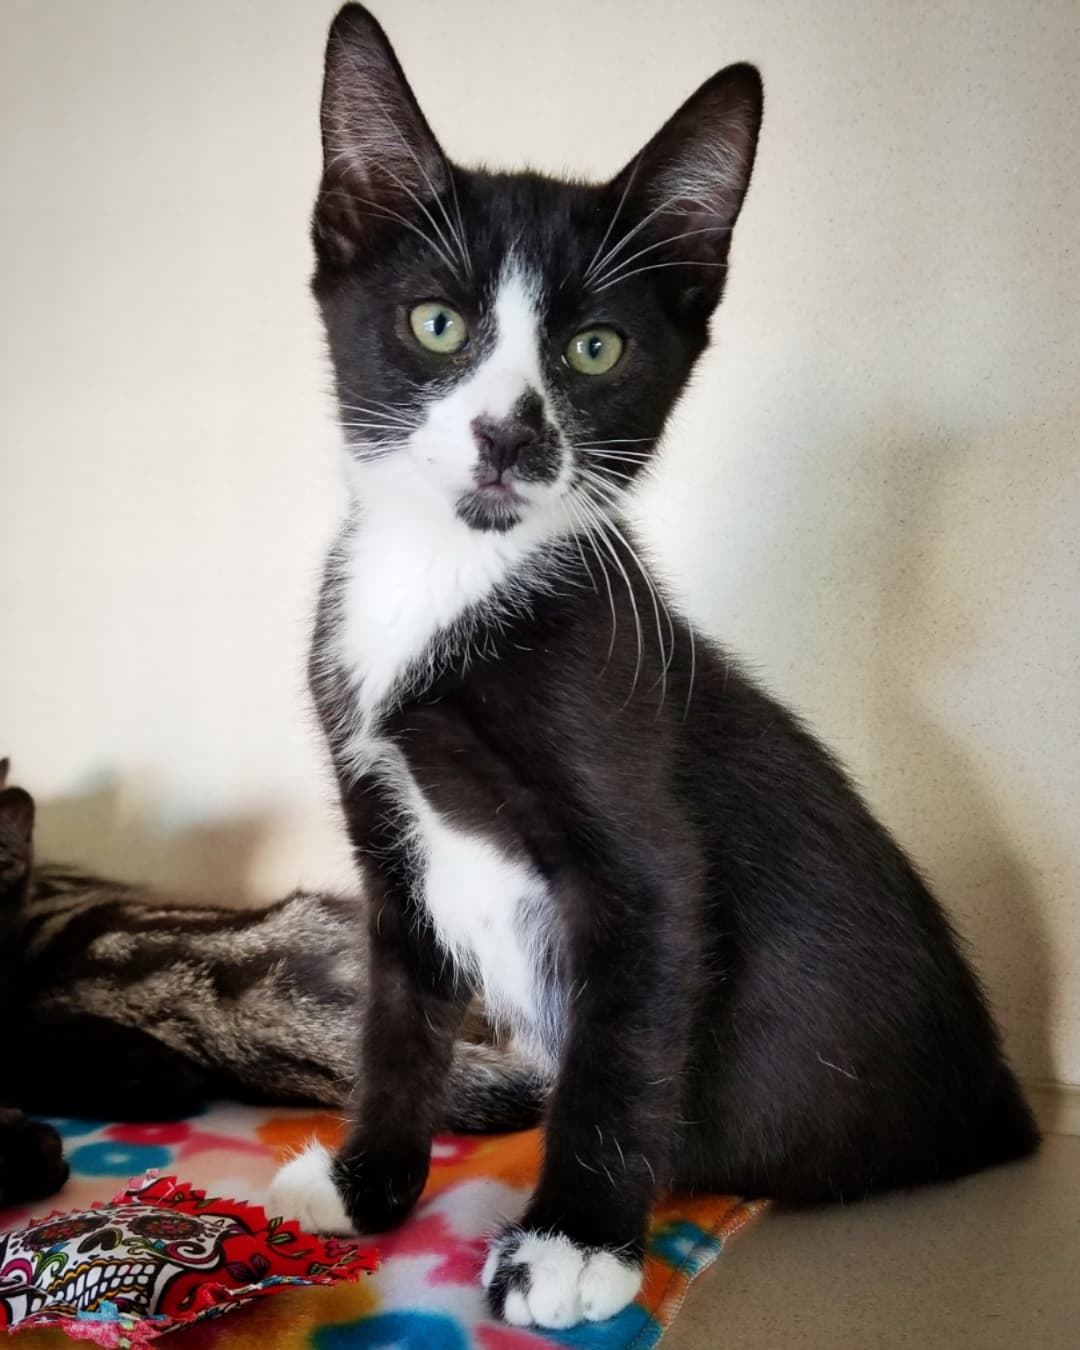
<point>492,915</point>
<point>410,575</point>
<point>404,590</point>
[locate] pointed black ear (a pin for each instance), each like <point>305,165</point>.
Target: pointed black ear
<point>680,197</point>
<point>5,766</point>
<point>381,163</point>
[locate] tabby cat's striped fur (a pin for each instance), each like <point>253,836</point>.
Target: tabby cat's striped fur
<point>129,1004</point>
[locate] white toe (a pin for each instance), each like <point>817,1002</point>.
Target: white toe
<point>555,1267</point>
<point>516,1310</point>
<point>607,1285</point>
<point>303,1189</point>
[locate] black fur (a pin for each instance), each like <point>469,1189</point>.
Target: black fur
<point>763,996</point>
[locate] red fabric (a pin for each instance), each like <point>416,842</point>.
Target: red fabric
<point>160,1256</point>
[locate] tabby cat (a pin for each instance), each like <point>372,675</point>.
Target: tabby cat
<point>127,1004</point>
<point>558,793</point>
<point>31,1161</point>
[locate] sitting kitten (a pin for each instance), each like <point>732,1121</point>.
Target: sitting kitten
<point>128,1004</point>
<point>558,793</point>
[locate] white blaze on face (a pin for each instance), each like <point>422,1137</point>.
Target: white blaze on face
<point>510,370</point>
<point>414,567</point>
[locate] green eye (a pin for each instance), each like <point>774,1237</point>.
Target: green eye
<point>438,328</point>
<point>594,351</point>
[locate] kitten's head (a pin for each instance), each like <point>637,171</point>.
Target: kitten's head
<point>16,845</point>
<point>507,347</point>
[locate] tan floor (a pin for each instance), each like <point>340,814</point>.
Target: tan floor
<point>990,1263</point>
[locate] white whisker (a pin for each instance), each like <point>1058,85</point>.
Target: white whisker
<point>619,267</point>
<point>667,655</point>
<point>615,440</point>
<point>575,508</point>
<point>374,405</point>
<point>377,415</point>
<point>601,522</point>
<point>614,219</point>
<point>623,456</point>
<point>618,247</point>
<point>387,214</point>
<point>461,224</point>
<point>655,267</point>
<point>693,671</point>
<point>390,427</point>
<point>605,473</point>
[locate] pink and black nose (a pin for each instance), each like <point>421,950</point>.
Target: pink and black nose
<point>512,442</point>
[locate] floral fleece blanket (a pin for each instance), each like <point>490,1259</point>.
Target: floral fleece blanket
<point>425,1295</point>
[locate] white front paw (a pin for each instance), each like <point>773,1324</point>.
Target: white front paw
<point>303,1189</point>
<point>545,1280</point>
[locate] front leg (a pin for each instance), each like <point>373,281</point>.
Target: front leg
<point>415,1006</point>
<point>578,1252</point>
<point>412,1009</point>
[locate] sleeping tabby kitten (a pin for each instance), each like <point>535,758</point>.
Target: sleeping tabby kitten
<point>557,791</point>
<point>31,1161</point>
<point>126,1003</point>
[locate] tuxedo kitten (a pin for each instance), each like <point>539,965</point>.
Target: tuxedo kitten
<point>183,1004</point>
<point>558,793</point>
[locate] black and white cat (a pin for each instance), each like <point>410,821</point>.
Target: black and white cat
<point>558,793</point>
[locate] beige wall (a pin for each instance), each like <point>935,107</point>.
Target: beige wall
<point>873,492</point>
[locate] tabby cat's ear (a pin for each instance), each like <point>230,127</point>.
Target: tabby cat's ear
<point>682,194</point>
<point>382,165</point>
<point>16,828</point>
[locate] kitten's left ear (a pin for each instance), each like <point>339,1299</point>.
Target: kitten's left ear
<point>682,194</point>
<point>382,166</point>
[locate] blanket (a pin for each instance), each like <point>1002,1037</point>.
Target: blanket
<point>426,1295</point>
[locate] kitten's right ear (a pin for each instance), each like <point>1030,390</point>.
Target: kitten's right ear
<point>682,195</point>
<point>382,166</point>
<point>5,766</point>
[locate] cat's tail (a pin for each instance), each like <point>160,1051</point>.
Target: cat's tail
<point>1008,1129</point>
<point>492,1090</point>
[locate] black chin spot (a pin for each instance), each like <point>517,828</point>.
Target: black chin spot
<point>479,514</point>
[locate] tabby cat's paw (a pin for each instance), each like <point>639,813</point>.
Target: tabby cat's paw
<point>303,1189</point>
<point>32,1164</point>
<point>546,1280</point>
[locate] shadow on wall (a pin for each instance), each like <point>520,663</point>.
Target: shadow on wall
<point>115,834</point>
<point>988,888</point>
<point>990,897</point>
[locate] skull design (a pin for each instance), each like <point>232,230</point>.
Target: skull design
<point>125,1256</point>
